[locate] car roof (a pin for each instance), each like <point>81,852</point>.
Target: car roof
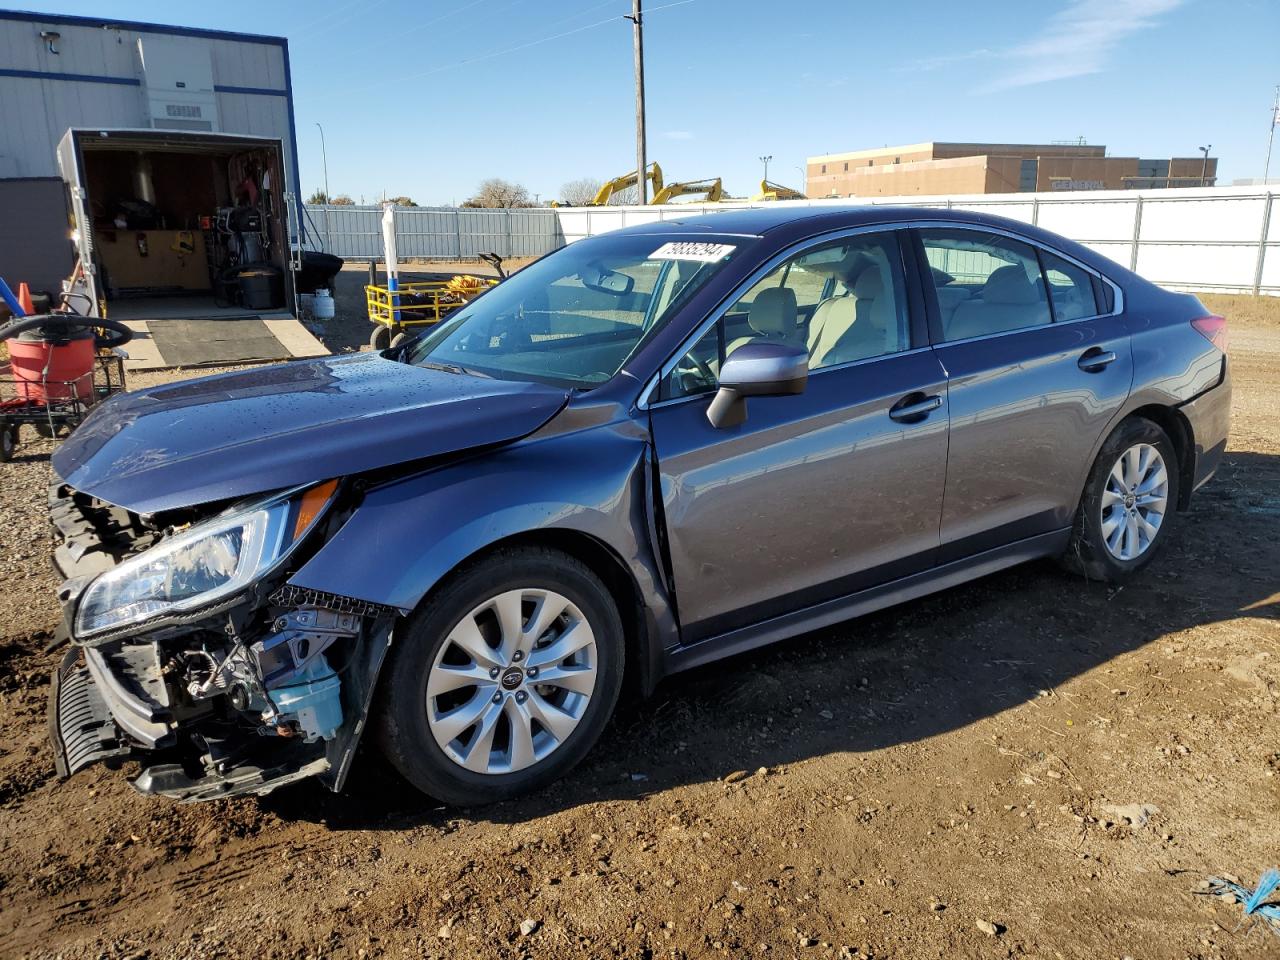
<point>755,222</point>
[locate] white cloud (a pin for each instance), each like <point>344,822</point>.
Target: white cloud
<point>677,134</point>
<point>1077,41</point>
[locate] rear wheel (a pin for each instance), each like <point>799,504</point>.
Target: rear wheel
<point>1128,503</point>
<point>504,679</point>
<point>8,442</point>
<point>380,339</point>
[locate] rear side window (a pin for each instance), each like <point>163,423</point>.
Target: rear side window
<point>1070,289</point>
<point>985,283</point>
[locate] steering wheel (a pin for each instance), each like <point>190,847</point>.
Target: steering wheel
<point>695,369</point>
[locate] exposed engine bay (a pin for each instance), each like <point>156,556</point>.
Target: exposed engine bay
<point>265,688</point>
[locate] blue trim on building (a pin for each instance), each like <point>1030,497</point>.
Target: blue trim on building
<point>137,27</point>
<point>77,77</point>
<point>259,91</point>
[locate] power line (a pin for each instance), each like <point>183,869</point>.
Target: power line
<point>523,46</point>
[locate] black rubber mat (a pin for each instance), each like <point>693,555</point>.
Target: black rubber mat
<point>193,343</point>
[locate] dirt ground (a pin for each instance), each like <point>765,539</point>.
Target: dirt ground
<point>1025,766</point>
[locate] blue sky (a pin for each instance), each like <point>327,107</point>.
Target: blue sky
<point>428,98</point>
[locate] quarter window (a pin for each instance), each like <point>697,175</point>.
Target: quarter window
<point>1070,289</point>
<point>840,302</point>
<point>985,283</point>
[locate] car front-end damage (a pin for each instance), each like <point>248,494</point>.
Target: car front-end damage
<point>191,654</point>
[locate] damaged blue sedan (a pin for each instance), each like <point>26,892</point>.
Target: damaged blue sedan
<point>643,452</point>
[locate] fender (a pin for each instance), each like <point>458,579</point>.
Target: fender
<point>584,474</point>
<point>1156,344</point>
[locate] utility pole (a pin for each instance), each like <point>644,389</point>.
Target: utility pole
<point>637,32</point>
<point>765,161</point>
<point>1271,135</point>
<point>1204,167</point>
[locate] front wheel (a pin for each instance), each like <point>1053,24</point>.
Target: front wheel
<point>1128,503</point>
<point>504,679</point>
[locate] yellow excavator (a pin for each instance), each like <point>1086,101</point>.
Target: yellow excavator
<point>776,191</point>
<point>711,189</point>
<point>652,173</point>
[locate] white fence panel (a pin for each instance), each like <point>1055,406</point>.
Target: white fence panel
<point>1086,220</point>
<point>1221,219</point>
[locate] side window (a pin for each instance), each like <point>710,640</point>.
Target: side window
<point>696,371</point>
<point>1070,289</point>
<point>840,302</point>
<point>985,283</point>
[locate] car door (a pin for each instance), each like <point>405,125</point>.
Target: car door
<point>816,495</point>
<point>1037,365</point>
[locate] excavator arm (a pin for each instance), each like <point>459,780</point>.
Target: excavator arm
<point>652,173</point>
<point>712,188</point>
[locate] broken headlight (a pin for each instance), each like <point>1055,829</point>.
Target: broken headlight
<point>205,563</point>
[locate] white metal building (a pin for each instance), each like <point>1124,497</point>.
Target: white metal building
<point>63,73</point>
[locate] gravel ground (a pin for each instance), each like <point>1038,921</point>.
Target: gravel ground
<point>1025,766</point>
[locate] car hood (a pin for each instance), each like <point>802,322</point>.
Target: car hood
<point>268,428</point>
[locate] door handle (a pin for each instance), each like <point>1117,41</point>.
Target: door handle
<point>1095,359</point>
<point>914,407</point>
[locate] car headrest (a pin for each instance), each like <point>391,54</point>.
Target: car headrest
<point>773,312</point>
<point>1010,285</point>
<point>870,284</point>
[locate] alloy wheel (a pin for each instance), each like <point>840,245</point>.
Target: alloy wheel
<point>511,681</point>
<point>1134,501</point>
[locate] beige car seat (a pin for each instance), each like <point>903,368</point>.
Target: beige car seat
<point>856,325</point>
<point>772,315</point>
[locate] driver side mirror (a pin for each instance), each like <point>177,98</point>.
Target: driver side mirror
<point>762,368</point>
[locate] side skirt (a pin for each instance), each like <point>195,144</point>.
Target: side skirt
<point>867,601</point>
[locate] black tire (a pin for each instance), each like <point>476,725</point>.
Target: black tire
<point>400,713</point>
<point>401,338</point>
<point>1088,553</point>
<point>8,442</point>
<point>380,339</point>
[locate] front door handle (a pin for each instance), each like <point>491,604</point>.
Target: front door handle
<point>914,407</point>
<point>1095,359</point>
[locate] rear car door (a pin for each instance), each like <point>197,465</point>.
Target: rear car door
<point>1038,362</point>
<point>817,495</point>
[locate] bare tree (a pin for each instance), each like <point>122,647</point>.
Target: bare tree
<point>498,193</point>
<point>580,192</point>
<point>342,200</point>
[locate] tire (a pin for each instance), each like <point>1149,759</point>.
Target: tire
<point>8,442</point>
<point>1105,544</point>
<point>413,725</point>
<point>401,338</point>
<point>380,339</point>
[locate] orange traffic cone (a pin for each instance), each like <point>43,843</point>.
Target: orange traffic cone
<point>24,299</point>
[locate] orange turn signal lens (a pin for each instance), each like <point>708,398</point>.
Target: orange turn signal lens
<point>310,506</point>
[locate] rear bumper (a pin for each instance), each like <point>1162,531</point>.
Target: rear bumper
<point>1209,416</point>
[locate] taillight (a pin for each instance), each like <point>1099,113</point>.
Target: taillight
<point>1213,329</point>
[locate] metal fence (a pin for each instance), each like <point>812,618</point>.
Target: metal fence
<point>1224,239</point>
<point>434,233</point>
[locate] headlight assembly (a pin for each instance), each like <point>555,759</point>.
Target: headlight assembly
<point>206,563</point>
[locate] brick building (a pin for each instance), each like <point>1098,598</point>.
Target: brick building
<point>957,168</point>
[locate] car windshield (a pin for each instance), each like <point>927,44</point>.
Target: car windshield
<point>574,317</point>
